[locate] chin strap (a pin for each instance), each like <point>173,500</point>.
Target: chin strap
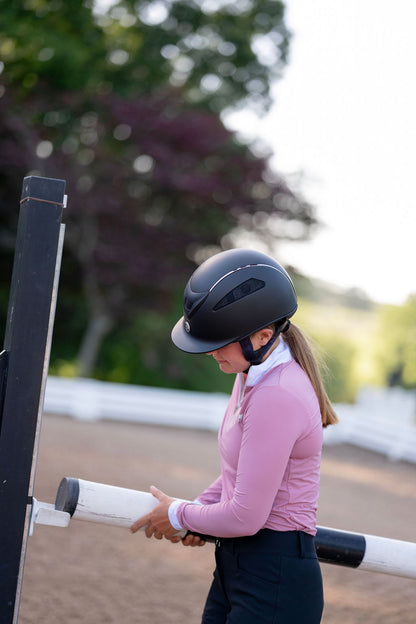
<point>256,357</point>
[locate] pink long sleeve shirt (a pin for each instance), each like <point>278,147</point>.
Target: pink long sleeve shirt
<point>270,447</point>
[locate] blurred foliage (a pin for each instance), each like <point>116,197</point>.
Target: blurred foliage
<point>337,355</point>
<point>362,343</point>
<point>219,53</point>
<point>329,294</point>
<point>396,346</point>
<point>142,352</point>
<point>124,104</point>
<point>336,331</point>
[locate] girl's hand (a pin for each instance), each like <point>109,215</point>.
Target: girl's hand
<point>156,522</point>
<point>193,540</point>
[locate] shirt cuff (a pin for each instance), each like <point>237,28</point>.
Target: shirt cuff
<point>173,515</point>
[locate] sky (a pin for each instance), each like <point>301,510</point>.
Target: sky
<point>344,115</point>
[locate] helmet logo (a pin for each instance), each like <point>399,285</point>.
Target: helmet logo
<point>187,327</point>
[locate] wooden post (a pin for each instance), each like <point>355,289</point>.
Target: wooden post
<point>23,372</point>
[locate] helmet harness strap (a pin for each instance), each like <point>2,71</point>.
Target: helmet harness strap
<point>256,357</point>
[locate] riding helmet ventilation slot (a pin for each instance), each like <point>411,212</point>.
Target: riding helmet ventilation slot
<point>242,290</point>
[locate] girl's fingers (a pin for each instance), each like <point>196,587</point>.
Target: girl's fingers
<point>140,523</point>
<point>193,540</point>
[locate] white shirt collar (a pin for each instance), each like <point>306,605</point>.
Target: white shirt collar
<point>280,355</point>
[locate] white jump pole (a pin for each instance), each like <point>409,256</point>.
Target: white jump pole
<point>366,552</point>
<point>102,503</point>
<point>98,502</point>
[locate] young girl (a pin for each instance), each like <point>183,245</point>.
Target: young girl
<point>262,508</point>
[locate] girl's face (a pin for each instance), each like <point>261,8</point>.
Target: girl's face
<point>230,358</point>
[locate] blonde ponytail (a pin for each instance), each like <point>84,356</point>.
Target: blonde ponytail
<point>302,352</point>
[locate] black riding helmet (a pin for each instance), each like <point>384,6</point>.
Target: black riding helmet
<point>229,297</point>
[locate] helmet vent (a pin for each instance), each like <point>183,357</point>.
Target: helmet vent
<point>242,290</point>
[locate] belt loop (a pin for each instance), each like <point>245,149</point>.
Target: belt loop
<point>302,549</point>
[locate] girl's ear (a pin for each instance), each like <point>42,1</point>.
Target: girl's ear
<point>261,337</point>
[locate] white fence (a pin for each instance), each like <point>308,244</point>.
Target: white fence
<point>88,399</point>
<point>390,435</point>
<point>381,420</point>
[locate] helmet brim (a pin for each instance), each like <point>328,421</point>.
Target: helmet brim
<point>190,344</point>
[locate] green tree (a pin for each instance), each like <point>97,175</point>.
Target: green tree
<point>338,355</point>
<point>396,354</point>
<point>218,53</point>
<point>123,106</point>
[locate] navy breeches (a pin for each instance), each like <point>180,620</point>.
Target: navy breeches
<point>269,578</point>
